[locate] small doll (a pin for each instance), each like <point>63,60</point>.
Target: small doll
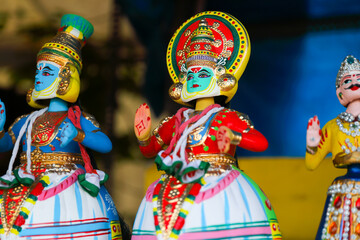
<point>203,195</point>
<point>55,193</point>
<point>340,137</point>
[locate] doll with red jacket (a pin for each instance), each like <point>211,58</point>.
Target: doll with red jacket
<point>202,194</point>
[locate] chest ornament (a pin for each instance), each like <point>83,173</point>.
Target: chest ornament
<point>46,127</point>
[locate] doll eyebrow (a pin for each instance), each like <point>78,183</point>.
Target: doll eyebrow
<point>204,70</point>
<point>48,68</point>
<point>347,76</point>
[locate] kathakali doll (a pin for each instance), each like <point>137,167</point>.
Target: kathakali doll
<point>341,138</point>
<point>55,193</point>
<point>203,195</point>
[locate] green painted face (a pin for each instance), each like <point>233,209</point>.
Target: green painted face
<point>198,79</point>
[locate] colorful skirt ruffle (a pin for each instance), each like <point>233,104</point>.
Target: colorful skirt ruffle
<point>227,206</point>
<point>63,210</point>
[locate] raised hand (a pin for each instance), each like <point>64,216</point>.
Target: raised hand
<point>2,115</point>
<point>313,133</point>
<point>224,137</point>
<point>142,122</point>
<point>68,132</point>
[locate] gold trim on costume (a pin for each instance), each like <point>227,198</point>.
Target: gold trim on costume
<point>10,131</point>
<point>311,150</point>
<point>213,158</point>
<point>52,162</point>
<point>46,127</point>
<point>180,200</point>
<point>195,135</point>
<point>2,133</point>
<point>236,139</point>
<point>219,163</point>
<point>80,136</point>
<point>9,208</point>
<point>91,118</point>
<point>342,160</point>
<point>157,135</point>
<point>144,143</point>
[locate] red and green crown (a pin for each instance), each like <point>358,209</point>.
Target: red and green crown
<point>209,38</point>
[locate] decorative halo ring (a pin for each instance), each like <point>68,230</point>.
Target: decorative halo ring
<point>231,40</point>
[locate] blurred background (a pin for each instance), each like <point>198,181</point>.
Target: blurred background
<point>297,48</point>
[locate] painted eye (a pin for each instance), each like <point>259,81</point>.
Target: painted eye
<point>346,81</point>
<point>204,75</point>
<point>358,79</point>
<point>190,77</point>
<point>46,74</point>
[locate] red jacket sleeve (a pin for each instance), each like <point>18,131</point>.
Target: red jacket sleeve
<point>252,139</point>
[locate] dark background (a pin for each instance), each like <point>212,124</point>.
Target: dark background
<point>297,48</point>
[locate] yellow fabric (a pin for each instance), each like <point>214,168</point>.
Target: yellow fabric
<point>332,142</point>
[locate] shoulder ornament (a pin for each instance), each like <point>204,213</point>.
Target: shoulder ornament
<point>10,131</point>
<point>244,117</point>
<point>156,131</point>
<point>91,118</point>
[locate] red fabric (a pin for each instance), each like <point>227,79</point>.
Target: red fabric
<point>74,114</point>
<point>19,221</point>
<point>252,140</point>
<point>179,128</point>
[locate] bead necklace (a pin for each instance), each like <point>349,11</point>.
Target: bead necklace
<point>354,126</point>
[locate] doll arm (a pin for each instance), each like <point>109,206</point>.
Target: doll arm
<point>318,143</point>
<point>151,144</point>
<point>252,140</point>
<point>240,131</point>
<point>7,139</point>
<point>89,135</point>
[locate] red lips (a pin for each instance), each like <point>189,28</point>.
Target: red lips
<point>38,82</point>
<point>195,85</point>
<point>354,88</point>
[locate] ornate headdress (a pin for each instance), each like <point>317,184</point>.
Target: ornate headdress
<point>64,50</point>
<point>213,39</point>
<point>350,63</point>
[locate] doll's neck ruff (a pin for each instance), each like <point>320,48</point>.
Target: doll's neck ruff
<point>354,124</point>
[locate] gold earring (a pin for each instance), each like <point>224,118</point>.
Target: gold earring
<point>226,82</point>
<point>65,76</point>
<point>175,91</point>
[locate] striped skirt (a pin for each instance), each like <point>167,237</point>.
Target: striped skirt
<point>229,206</point>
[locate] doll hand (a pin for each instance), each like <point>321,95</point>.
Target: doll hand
<point>2,115</point>
<point>224,137</point>
<point>313,133</point>
<point>142,122</point>
<point>68,133</point>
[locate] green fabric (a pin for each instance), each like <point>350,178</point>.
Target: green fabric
<point>175,168</point>
<point>23,180</point>
<point>87,186</point>
<point>79,23</point>
<point>269,213</point>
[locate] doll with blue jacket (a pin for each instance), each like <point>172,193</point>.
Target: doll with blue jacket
<point>55,192</point>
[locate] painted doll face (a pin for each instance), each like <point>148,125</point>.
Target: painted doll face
<point>349,89</point>
<point>200,83</point>
<point>198,79</point>
<point>46,73</point>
